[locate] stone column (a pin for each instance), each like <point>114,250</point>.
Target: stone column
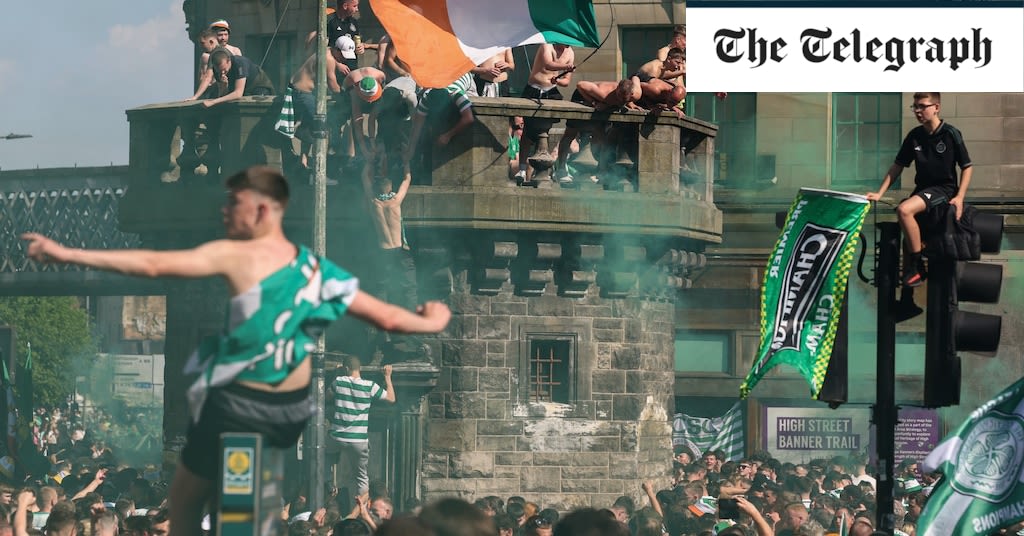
<point>412,381</point>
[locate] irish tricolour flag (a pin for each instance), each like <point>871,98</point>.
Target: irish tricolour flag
<point>441,40</point>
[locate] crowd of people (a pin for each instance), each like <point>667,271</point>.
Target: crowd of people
<point>94,493</point>
<point>379,115</point>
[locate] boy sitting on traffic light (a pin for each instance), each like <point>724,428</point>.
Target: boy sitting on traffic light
<point>936,148</point>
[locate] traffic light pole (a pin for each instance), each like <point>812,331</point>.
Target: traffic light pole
<point>885,410</point>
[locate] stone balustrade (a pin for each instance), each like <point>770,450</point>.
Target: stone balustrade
<point>468,185</point>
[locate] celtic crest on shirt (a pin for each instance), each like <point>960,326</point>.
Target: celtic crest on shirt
<point>990,457</point>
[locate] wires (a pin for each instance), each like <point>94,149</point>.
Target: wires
<point>270,45</point>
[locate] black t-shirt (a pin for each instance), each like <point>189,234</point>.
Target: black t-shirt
<point>242,67</point>
<point>935,156</point>
<point>337,27</point>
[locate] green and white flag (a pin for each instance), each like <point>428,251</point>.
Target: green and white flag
<point>701,434</point>
<point>804,285</point>
<point>982,463</point>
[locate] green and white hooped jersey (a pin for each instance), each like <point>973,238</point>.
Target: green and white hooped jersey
<point>351,416</point>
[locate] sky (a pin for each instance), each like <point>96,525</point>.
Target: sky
<point>70,69</point>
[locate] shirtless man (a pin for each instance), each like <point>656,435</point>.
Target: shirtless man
<point>392,64</point>
<point>242,387</point>
<point>609,95</point>
<point>489,75</point>
<point>398,273</point>
<point>552,68</point>
<point>223,30</point>
<point>599,96</point>
<point>678,41</point>
<point>303,82</point>
<point>664,69</point>
<point>660,95</point>
<point>208,42</point>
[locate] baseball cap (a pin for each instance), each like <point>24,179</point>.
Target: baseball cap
<point>220,24</point>
<point>347,47</point>
<point>369,89</point>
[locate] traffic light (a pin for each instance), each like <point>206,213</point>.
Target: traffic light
<point>948,329</point>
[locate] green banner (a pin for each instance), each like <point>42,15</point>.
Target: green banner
<point>804,285</point>
<point>981,463</point>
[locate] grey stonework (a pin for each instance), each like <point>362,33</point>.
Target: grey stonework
<point>491,439</point>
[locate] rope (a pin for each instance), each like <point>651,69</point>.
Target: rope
<point>270,45</point>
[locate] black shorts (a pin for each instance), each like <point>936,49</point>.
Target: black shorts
<point>534,126</point>
<point>578,99</point>
<point>644,77</point>
<point>935,200</point>
<point>279,417</point>
<point>935,196</point>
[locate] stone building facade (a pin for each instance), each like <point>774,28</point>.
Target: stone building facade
<point>577,436</point>
<point>481,436</point>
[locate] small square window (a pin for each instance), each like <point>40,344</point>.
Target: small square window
<point>548,371</point>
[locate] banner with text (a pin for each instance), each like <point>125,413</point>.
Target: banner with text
<point>798,435</point>
<point>805,284</point>
<point>855,46</point>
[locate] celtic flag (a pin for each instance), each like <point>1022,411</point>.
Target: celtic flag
<point>703,434</point>
<point>981,463</point>
<point>804,285</point>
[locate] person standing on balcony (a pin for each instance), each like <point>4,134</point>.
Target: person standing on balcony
<point>244,78</point>
<point>345,24</point>
<point>489,75</point>
<point>552,68</point>
<point>678,41</point>
<point>255,376</point>
<point>223,30</point>
<point>208,42</point>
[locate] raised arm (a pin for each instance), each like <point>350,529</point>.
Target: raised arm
<point>206,260</point>
<point>648,488</point>
<point>761,526</point>
<point>101,475</point>
<point>389,387</point>
<point>404,187</point>
<point>26,498</point>
<point>431,317</point>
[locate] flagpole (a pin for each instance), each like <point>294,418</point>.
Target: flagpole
<point>885,410</point>
<point>315,429</point>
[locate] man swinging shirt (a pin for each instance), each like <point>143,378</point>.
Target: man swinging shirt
<point>255,377</point>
